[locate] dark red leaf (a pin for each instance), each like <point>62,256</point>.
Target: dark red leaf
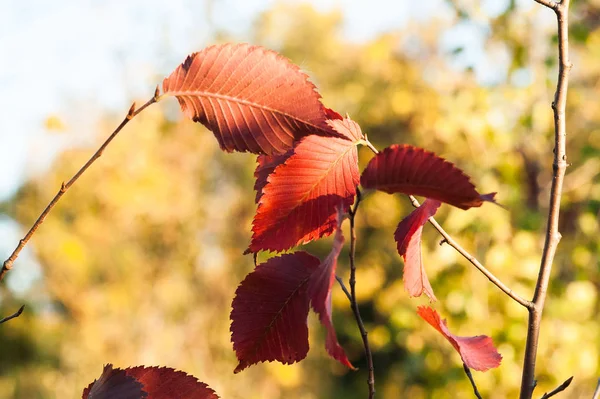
<point>319,291</point>
<point>408,239</point>
<point>167,383</point>
<point>476,352</point>
<point>411,170</point>
<point>270,310</point>
<point>298,204</point>
<point>251,98</point>
<point>114,384</point>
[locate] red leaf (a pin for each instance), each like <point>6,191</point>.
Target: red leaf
<point>408,239</point>
<point>270,310</point>
<point>411,170</point>
<point>156,382</point>
<point>114,384</point>
<point>476,352</point>
<point>298,204</point>
<point>167,383</point>
<point>319,291</point>
<point>251,98</point>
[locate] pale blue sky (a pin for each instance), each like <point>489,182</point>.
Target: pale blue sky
<point>79,59</point>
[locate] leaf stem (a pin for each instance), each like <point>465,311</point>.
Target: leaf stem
<point>493,279</point>
<point>559,167</point>
<point>14,315</point>
<point>468,373</point>
<point>558,389</point>
<point>133,112</point>
<point>596,394</point>
<point>353,302</point>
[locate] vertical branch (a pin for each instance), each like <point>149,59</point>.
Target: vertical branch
<point>558,167</point>
<point>133,112</point>
<point>354,303</point>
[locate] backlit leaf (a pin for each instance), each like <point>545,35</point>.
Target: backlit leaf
<point>319,291</point>
<point>299,201</point>
<point>266,166</point>
<point>411,170</point>
<point>478,352</point>
<point>270,310</point>
<point>408,239</point>
<point>251,98</point>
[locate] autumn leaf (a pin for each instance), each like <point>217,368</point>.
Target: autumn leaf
<point>266,166</point>
<point>270,310</point>
<point>251,98</point>
<point>319,291</point>
<point>478,352</point>
<point>408,240</point>
<point>299,201</point>
<point>114,384</point>
<point>147,382</point>
<point>411,170</point>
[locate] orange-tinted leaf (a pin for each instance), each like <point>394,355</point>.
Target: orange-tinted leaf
<point>114,384</point>
<point>270,310</point>
<point>319,291</point>
<point>251,98</point>
<point>266,166</point>
<point>167,383</point>
<point>408,239</point>
<point>476,352</point>
<point>411,170</point>
<point>299,201</point>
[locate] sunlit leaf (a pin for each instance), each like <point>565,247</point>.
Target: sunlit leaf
<point>408,239</point>
<point>270,310</point>
<point>411,170</point>
<point>299,201</point>
<point>478,352</point>
<point>251,98</point>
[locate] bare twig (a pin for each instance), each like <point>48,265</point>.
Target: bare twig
<point>468,373</point>
<point>354,303</point>
<point>559,388</point>
<point>344,288</point>
<point>8,263</point>
<point>14,315</point>
<point>597,391</point>
<point>558,167</point>
<point>450,241</point>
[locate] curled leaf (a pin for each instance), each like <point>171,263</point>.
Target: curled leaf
<point>298,203</point>
<point>411,170</point>
<point>319,291</point>
<point>270,310</point>
<point>478,353</point>
<point>251,98</point>
<point>408,240</point>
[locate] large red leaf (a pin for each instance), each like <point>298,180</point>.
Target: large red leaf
<point>319,291</point>
<point>147,382</point>
<point>266,166</point>
<point>251,98</point>
<point>114,384</point>
<point>476,352</point>
<point>408,239</point>
<point>167,383</point>
<point>270,310</point>
<point>411,170</point>
<point>299,201</point>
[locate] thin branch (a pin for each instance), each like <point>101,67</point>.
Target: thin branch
<point>597,391</point>
<point>468,373</point>
<point>559,388</point>
<point>548,3</point>
<point>559,166</point>
<point>344,288</point>
<point>8,263</point>
<point>450,241</point>
<point>354,303</point>
<point>14,315</point>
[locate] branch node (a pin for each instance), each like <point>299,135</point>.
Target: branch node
<point>558,389</point>
<point>156,94</point>
<point>131,112</point>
